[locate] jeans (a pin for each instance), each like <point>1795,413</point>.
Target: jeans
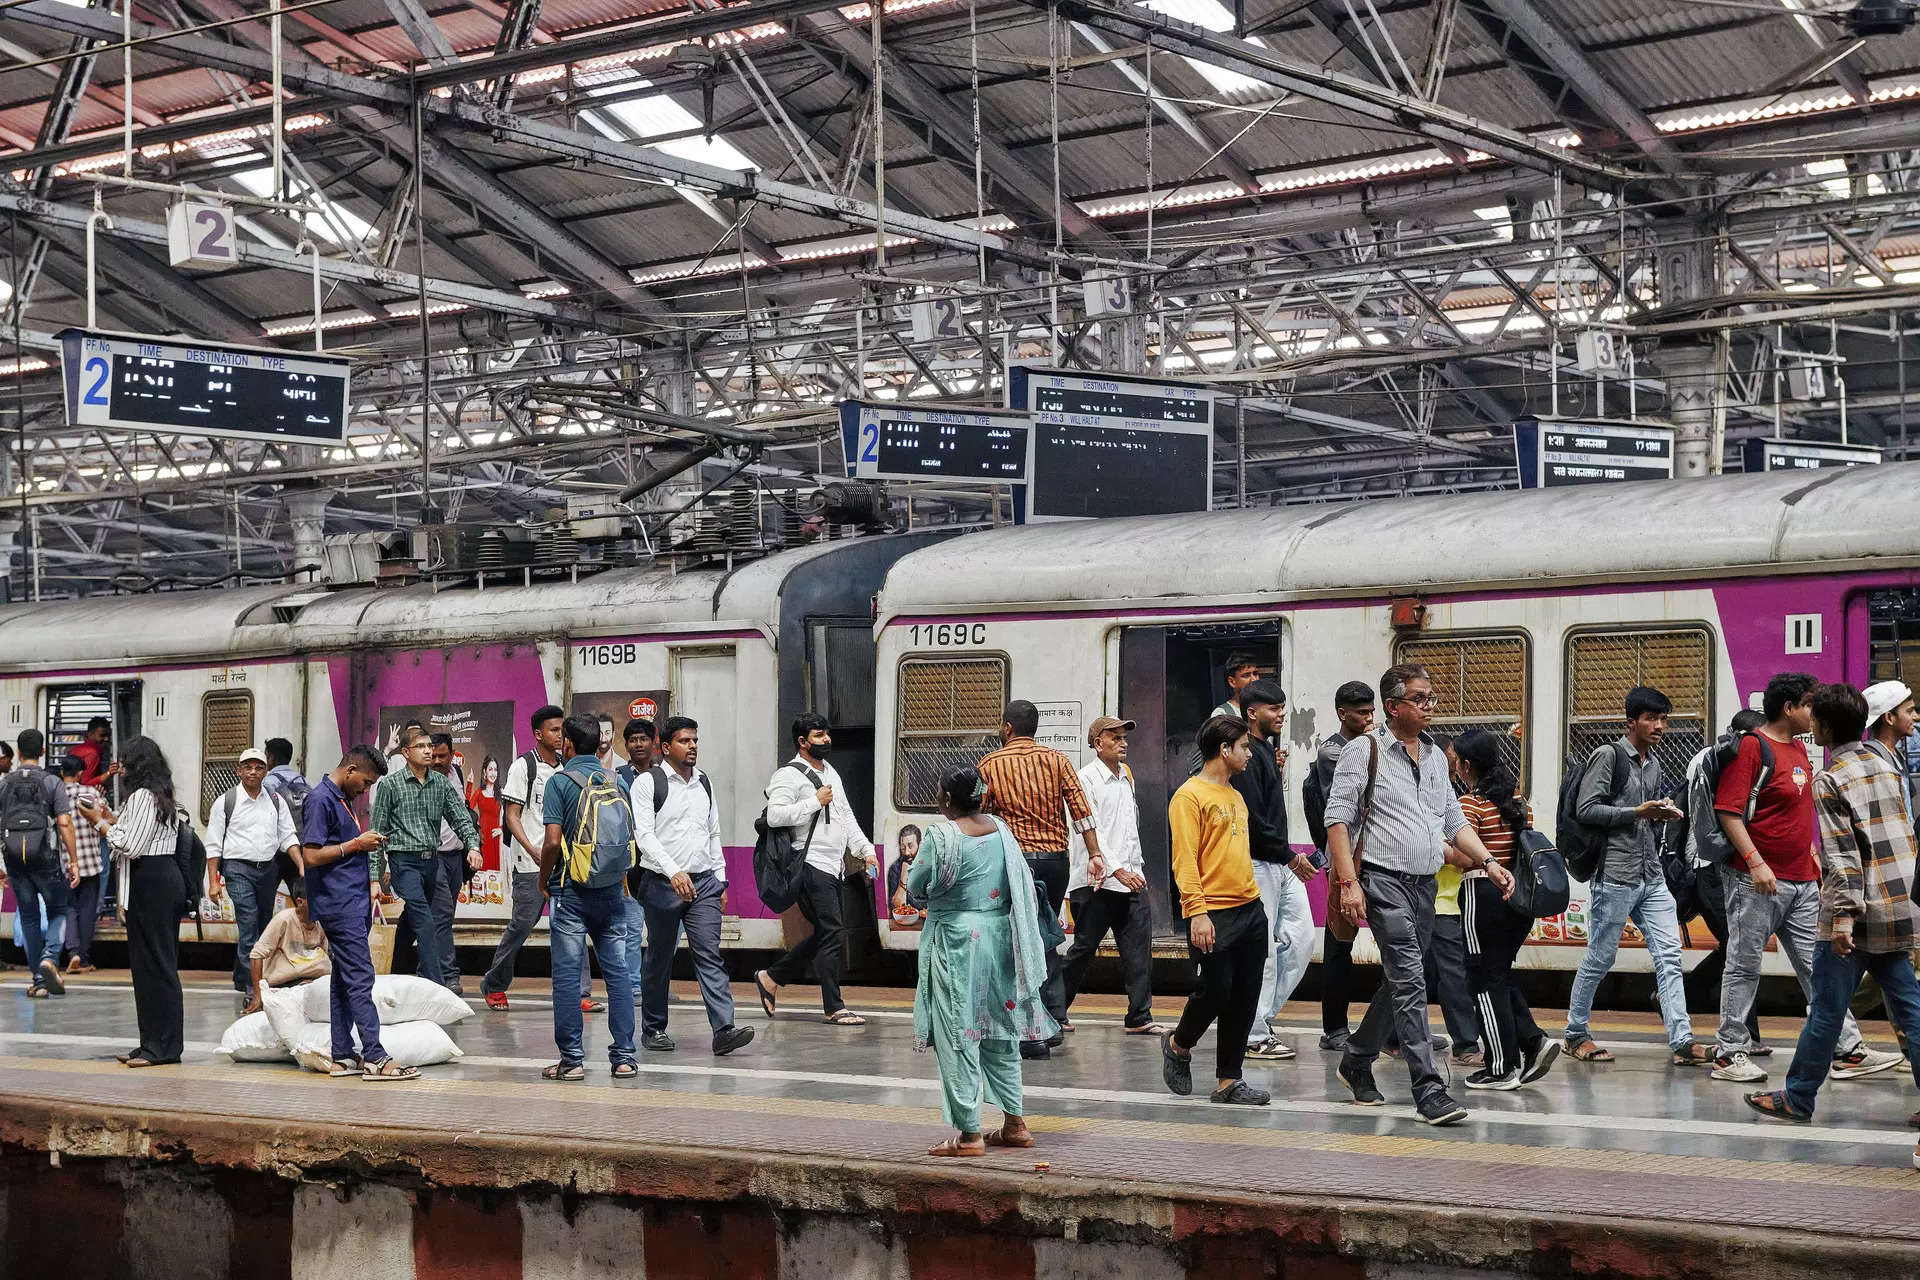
<point>30,890</point>
<point>350,992</point>
<point>83,915</point>
<point>1710,888</point>
<point>1289,941</point>
<point>1494,936</point>
<point>418,881</point>
<point>580,913</point>
<point>666,915</point>
<point>1051,871</point>
<point>453,867</point>
<point>1130,917</point>
<point>825,948</point>
<point>1228,987</point>
<point>1834,979</point>
<point>1650,907</point>
<point>1400,913</point>
<point>527,902</point>
<point>636,949</point>
<point>251,885</point>
<point>1791,914</point>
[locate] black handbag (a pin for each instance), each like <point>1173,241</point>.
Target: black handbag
<point>1540,886</point>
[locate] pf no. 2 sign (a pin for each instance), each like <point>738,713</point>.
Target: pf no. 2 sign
<point>200,235</point>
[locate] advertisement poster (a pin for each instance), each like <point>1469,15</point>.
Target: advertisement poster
<point>614,707</point>
<point>483,748</point>
<point>902,846</point>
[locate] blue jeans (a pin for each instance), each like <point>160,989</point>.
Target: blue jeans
<point>350,993</point>
<point>636,951</point>
<point>418,881</point>
<point>30,889</point>
<point>1834,980</point>
<point>1650,907</point>
<point>602,915</point>
<point>251,885</point>
<point>1290,938</point>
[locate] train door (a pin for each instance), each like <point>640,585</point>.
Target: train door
<point>1171,679</point>
<point>705,688</point>
<point>840,675</point>
<point>70,708</point>
<point>1889,622</point>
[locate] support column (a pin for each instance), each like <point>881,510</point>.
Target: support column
<point>307,512</point>
<point>1694,369</point>
<point>10,545</point>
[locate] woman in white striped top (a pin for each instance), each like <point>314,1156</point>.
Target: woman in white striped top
<point>144,838</point>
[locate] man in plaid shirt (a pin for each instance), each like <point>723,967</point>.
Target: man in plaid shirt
<point>1868,922</point>
<point>83,909</point>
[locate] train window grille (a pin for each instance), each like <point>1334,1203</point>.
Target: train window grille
<point>1893,635</point>
<point>226,729</point>
<point>1603,665</point>
<point>949,715</point>
<point>1480,682</point>
<point>69,708</point>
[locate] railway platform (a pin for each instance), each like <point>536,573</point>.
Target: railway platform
<point>801,1156</point>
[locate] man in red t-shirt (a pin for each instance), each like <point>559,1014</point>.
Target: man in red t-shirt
<point>1773,881</point>
<point>94,753</point>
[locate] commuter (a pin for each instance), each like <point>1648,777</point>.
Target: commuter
<point>41,859</point>
<point>805,796</point>
<point>1391,813</point>
<point>1447,954</point>
<point>1890,722</point>
<point>521,813</point>
<point>1119,903</point>
<point>1281,873</point>
<point>1630,883</point>
<point>408,810</point>
<point>96,753</point>
<point>1773,882</point>
<point>1037,790</point>
<point>683,884</point>
<point>980,958</point>
<point>588,821</point>
<point>1703,844</point>
<point>1353,705</point>
<point>285,781</point>
<point>1517,1051</point>
<point>1867,921</point>
<point>291,951</point>
<point>147,836</point>
<point>337,856</point>
<point>641,752</point>
<point>460,856</point>
<point>249,829</point>
<point>6,757</point>
<point>1227,931</point>
<point>83,912</point>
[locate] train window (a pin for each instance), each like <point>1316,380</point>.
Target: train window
<point>1603,665</point>
<point>1893,634</point>
<point>841,658</point>
<point>1482,682</point>
<point>226,729</point>
<point>949,716</point>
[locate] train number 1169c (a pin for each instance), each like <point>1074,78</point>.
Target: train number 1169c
<point>947,633</point>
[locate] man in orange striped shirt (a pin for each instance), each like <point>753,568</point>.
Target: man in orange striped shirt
<point>1036,791</point>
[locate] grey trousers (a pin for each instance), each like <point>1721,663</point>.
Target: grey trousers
<point>526,914</point>
<point>1400,913</point>
<point>1792,915</point>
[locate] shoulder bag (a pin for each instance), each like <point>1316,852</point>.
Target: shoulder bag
<point>1343,929</point>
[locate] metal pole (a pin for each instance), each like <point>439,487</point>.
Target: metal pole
<point>126,92</point>
<point>98,215</point>
<point>279,132</point>
<point>319,335</point>
<point>879,143</point>
<point>27,577</point>
<point>426,347</point>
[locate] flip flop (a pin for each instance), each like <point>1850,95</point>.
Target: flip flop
<point>767,998</point>
<point>1587,1051</point>
<point>952,1147</point>
<point>997,1138</point>
<point>1151,1029</point>
<point>1775,1106</point>
<point>845,1018</point>
<point>625,1071</point>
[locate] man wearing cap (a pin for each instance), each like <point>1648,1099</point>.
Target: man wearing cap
<point>249,828</point>
<point>1890,722</point>
<point>1118,901</point>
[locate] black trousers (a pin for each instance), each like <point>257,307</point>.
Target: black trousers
<point>154,899</point>
<point>1495,935</point>
<point>1229,985</point>
<point>1052,871</point>
<point>825,948</point>
<point>1336,977</point>
<point>1130,919</point>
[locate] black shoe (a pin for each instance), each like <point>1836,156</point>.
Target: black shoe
<point>1241,1094</point>
<point>1055,1040</point>
<point>1358,1077</point>
<point>50,977</point>
<point>727,1039</point>
<point>1441,1109</point>
<point>1336,1041</point>
<point>1034,1050</point>
<point>1536,1064</point>
<point>658,1041</point>
<point>1175,1068</point>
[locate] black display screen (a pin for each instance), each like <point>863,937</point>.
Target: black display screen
<point>1120,404</point>
<point>1574,455</point>
<point>196,395</point>
<point>958,450</point>
<point>1089,471</point>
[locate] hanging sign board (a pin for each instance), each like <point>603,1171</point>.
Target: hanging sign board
<point>963,445</point>
<point>1801,455</point>
<point>1114,444</point>
<point>1555,453</point>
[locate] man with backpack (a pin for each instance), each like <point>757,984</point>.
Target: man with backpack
<point>806,796</point>
<point>522,798</point>
<point>249,830</point>
<point>585,858</point>
<point>683,884</point>
<point>1281,873</point>
<point>1611,809</point>
<point>1702,846</point>
<point>1773,879</point>
<point>1353,705</point>
<point>33,807</point>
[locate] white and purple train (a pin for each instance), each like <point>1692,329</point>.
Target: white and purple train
<point>1535,611</point>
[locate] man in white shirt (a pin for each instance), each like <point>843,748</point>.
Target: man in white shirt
<point>249,828</point>
<point>805,795</point>
<point>526,830</point>
<point>683,884</point>
<point>1119,902</point>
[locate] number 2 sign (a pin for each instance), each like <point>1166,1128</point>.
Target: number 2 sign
<point>200,234</point>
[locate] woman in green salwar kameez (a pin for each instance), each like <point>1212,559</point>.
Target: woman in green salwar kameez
<point>982,964</point>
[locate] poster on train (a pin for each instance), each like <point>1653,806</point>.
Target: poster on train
<point>614,707</point>
<point>483,748</point>
<point>901,847</point>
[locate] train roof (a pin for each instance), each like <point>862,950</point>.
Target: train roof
<point>1594,533</point>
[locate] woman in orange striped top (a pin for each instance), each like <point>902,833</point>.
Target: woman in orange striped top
<point>1517,1051</point>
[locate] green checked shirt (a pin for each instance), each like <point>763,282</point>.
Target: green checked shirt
<point>409,813</point>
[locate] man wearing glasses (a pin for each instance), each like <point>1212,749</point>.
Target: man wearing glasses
<point>1391,804</point>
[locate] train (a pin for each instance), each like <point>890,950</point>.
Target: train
<point>1535,610</point>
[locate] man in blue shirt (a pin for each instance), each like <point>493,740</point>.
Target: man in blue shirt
<point>340,901</point>
<point>580,911</point>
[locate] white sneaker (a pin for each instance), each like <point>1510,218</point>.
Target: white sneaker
<point>1737,1067</point>
<point>1272,1049</point>
<point>1862,1061</point>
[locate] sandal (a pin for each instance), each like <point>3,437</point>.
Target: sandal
<point>1066,1028</point>
<point>845,1018</point>
<point>138,1061</point>
<point>1151,1029</point>
<point>954,1147</point>
<point>1585,1050</point>
<point>568,1072</point>
<point>343,1067</point>
<point>1775,1106</point>
<point>625,1070</point>
<point>767,998</point>
<point>1694,1055</point>
<point>36,993</point>
<point>387,1072</point>
<point>999,1138</point>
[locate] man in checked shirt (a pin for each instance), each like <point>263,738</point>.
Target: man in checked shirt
<point>1036,791</point>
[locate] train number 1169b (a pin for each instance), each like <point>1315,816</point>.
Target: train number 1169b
<point>947,633</point>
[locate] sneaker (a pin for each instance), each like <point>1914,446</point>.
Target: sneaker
<point>1852,1065</point>
<point>1176,1069</point>
<point>727,1039</point>
<point>50,979</point>
<point>1358,1077</point>
<point>1241,1094</point>
<point>589,1005</point>
<point>1272,1049</point>
<point>1737,1067</point>
<point>1441,1109</point>
<point>658,1041</point>
<point>1484,1079</point>
<point>1335,1041</point>
<point>1442,1042</point>
<point>1536,1064</point>
<point>497,1000</point>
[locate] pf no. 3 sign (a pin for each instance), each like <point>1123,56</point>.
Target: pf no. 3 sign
<point>200,234</point>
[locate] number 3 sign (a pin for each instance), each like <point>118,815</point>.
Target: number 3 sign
<point>200,235</point>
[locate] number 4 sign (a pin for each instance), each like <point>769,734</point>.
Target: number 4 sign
<point>200,235</point>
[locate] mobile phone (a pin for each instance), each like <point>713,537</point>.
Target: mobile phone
<point>1320,859</point>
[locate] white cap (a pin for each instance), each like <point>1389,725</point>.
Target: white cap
<point>253,753</point>
<point>1883,697</point>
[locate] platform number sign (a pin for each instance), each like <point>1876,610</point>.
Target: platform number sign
<point>200,235</point>
<point>1107,294</point>
<point>938,320</point>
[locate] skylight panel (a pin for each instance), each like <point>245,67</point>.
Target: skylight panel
<point>1214,16</point>
<point>321,226</point>
<point>657,116</point>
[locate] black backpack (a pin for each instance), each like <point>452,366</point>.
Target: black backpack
<point>1582,844</point>
<point>191,855</point>
<point>1540,887</point>
<point>659,775</point>
<point>1313,799</point>
<point>26,819</point>
<point>777,860</point>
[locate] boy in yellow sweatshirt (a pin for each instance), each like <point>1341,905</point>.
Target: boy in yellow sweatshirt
<point>1227,927</point>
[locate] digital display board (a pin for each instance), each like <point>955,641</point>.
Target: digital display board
<point>133,383</point>
<point>895,442</point>
<point>1555,453</point>
<point>1802,455</point>
<point>1114,444</point>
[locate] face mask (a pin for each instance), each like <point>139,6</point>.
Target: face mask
<point>819,750</point>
